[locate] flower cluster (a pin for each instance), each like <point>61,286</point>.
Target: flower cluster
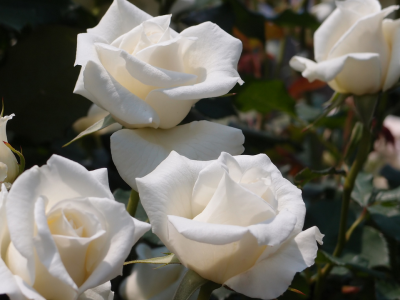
<point>232,220</point>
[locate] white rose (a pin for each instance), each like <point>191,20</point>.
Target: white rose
<point>149,283</point>
<point>356,49</point>
<point>235,221</point>
<point>148,76</point>
<point>9,168</point>
<point>95,114</point>
<point>62,233</point>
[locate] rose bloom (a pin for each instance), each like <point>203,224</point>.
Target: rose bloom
<point>63,234</point>
<point>235,221</point>
<point>147,76</point>
<point>356,49</point>
<point>9,169</point>
<point>149,283</point>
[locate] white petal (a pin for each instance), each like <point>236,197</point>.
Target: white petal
<point>80,88</point>
<point>3,171</point>
<point>167,191</point>
<point>102,176</point>
<point>271,277</point>
<point>357,73</point>
<point>85,49</point>
<point>27,290</point>
<point>101,292</point>
<point>365,36</point>
<point>213,261</point>
<point>392,29</point>
<point>140,229</point>
<point>232,204</point>
<point>137,76</point>
<point>46,248</point>
<point>8,284</point>
<point>272,232</point>
<point>339,22</point>
<point>113,97</point>
<point>121,17</point>
<point>216,68</point>
<point>59,179</point>
<point>287,195</point>
<point>138,152</point>
<point>205,186</point>
<point>208,233</point>
<point>203,54</point>
<point>145,73</point>
<point>209,179</point>
<point>6,155</point>
<point>79,232</point>
<point>122,235</point>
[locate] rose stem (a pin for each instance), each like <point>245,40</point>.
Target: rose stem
<point>362,155</point>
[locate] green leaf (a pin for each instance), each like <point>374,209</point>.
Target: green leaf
<point>389,196</point>
<point>190,283</point>
<point>307,174</point>
<point>359,270</point>
<point>103,123</point>
<point>387,289</point>
<point>387,219</point>
<point>363,188</point>
<point>265,96</point>
<point>374,247</point>
<point>169,259</point>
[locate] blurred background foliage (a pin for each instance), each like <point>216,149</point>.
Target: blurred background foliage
<point>274,108</point>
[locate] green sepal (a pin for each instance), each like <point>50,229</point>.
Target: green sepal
<point>365,107</point>
<point>103,123</point>
<point>169,259</point>
<point>21,158</point>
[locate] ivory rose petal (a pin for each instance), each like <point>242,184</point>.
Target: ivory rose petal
<point>138,152</point>
<point>246,224</point>
<point>8,163</point>
<point>63,234</point>
<point>355,49</point>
